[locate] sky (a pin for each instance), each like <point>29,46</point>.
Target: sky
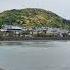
<point>60,7</point>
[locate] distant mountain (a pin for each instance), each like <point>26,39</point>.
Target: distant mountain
<point>33,17</point>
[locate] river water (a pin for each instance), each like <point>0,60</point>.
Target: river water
<point>49,55</point>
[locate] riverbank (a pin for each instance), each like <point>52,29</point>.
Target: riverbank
<point>33,39</point>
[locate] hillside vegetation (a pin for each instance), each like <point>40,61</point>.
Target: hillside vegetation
<point>32,17</point>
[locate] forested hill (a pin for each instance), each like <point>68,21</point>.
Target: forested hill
<point>32,17</point>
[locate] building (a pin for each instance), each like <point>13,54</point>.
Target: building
<point>10,30</point>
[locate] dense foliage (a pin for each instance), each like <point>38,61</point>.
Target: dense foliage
<point>32,17</point>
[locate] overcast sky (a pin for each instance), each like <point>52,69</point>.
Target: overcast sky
<point>60,7</point>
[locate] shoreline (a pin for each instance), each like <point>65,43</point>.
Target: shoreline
<point>36,39</point>
<point>30,41</point>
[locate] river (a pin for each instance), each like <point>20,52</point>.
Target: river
<point>46,55</point>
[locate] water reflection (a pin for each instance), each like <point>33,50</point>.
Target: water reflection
<point>45,44</point>
<point>50,55</point>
